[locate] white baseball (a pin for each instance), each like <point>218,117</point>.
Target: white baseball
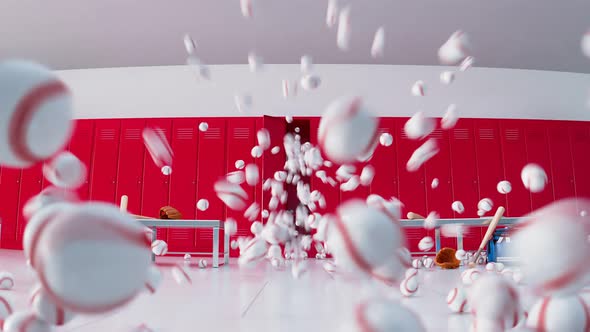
<point>383,315</point>
<point>180,275</point>
<point>25,321</point>
<point>310,82</point>
<point>418,89</point>
<point>189,44</point>
<point>187,257</point>
<point>428,263</point>
<point>409,286</point>
<point>36,119</point>
<point>256,228</point>
<point>460,254</point>
<point>6,308</point>
<point>585,44</point>
<point>348,131</point>
<point>256,152</point>
<point>231,226</point>
<point>417,263</point>
<point>239,164</point>
<point>491,267</point>
<point>557,314</point>
<point>231,194</point>
<point>203,126</point>
<point>386,139</point>
<point>6,280</point>
<point>65,170</point>
<point>534,177</point>
<point>419,126</point>
<point>306,64</point>
<point>157,145</point>
<point>447,77</point>
<point>344,29</point>
<point>454,49</point>
<point>426,243</point>
<point>378,43</point>
<point>367,175</point>
<point>331,14</point>
<point>275,150</point>
<point>469,276</point>
<point>457,300</point>
<point>466,63</point>
<point>458,207</point>
<point>166,170</point>
<point>263,137</point>
<point>159,247</point>
<point>252,174</point>
<point>434,183</point>
<point>202,263</point>
<point>485,204</point>
<point>255,62</point>
<point>504,187</point>
<point>203,204</point>
<point>450,118</point>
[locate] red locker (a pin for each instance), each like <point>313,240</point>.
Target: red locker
<point>30,185</point>
<point>276,127</point>
<point>537,148</point>
<point>331,194</point>
<point>103,179</point>
<point>211,164</point>
<point>464,177</point>
<point>580,141</point>
<point>384,160</point>
<point>515,158</point>
<point>183,182</point>
<point>412,185</point>
<point>561,160</point>
<point>156,186</point>
<point>241,138</point>
<point>490,166</point>
<point>81,145</point>
<point>9,190</point>
<point>441,198</point>
<point>130,165</point>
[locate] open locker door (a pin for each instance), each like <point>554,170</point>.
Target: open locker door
<point>276,127</point>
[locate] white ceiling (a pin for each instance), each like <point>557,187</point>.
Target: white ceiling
<point>66,34</point>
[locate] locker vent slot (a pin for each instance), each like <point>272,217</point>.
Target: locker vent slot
<point>437,133</point>
<point>403,134</point>
<point>512,134</point>
<point>184,133</point>
<point>206,234</point>
<point>132,134</point>
<point>241,133</point>
<point>212,133</point>
<point>106,134</point>
<point>486,133</point>
<point>414,234</point>
<point>461,134</point>
<point>179,234</point>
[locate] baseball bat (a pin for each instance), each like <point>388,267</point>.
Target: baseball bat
<point>491,228</point>
<point>412,216</point>
<point>124,202</point>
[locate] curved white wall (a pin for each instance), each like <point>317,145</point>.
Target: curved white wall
<point>175,91</point>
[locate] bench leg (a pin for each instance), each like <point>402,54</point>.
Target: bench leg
<point>225,248</point>
<point>154,238</point>
<point>437,239</point>
<point>215,247</point>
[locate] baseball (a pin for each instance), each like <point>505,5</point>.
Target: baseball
<point>231,194</point>
<point>383,315</point>
<point>485,204</point>
<point>447,77</point>
<point>6,280</point>
<point>202,263</point>
<point>158,147</point>
<point>255,62</point>
<point>504,187</point>
<point>426,243</point>
<point>418,89</point>
<point>36,120</point>
<point>203,126</point>
<point>344,30</point>
<point>458,207</point>
<point>409,286</point>
<point>159,247</point>
<point>454,49</point>
<point>256,152</point>
<point>457,300</point>
<point>469,276</point>
<point>180,275</point>
<point>434,183</point>
<point>306,64</point>
<point>65,171</point>
<point>419,126</point>
<point>466,63</point>
<point>166,170</point>
<point>310,82</point>
<point>557,314</point>
<point>378,43</point>
<point>275,150</point>
<point>534,177</point>
<point>263,137</point>
<point>386,139</point>
<point>239,164</point>
<point>450,118</point>
<point>203,204</point>
<point>367,175</point>
<point>417,263</point>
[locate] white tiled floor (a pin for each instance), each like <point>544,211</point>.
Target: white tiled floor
<point>258,299</point>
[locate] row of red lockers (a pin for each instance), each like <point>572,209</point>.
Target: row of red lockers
<point>474,156</point>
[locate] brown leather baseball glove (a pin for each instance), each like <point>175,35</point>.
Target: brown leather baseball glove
<point>446,259</point>
<point>168,212</point>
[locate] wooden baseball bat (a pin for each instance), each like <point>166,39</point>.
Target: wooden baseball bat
<point>412,216</point>
<point>123,208</point>
<point>124,202</point>
<point>489,233</point>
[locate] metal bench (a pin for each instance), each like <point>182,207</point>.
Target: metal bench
<point>216,225</point>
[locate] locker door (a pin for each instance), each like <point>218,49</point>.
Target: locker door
<point>241,138</point>
<point>30,185</point>
<point>537,147</point>
<point>385,163</point>
<point>103,179</point>
<point>441,198</point>
<point>130,168</point>
<point>331,194</point>
<point>490,165</point>
<point>81,145</point>
<point>156,186</point>
<point>464,178</point>
<point>9,190</point>
<point>412,186</point>
<point>210,168</point>
<point>515,158</point>
<point>580,141</point>
<point>276,127</point>
<point>183,182</point>
<point>561,160</point>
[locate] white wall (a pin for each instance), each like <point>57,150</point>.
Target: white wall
<point>175,91</point>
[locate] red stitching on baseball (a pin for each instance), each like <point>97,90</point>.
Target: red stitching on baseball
<point>24,112</point>
<point>361,319</point>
